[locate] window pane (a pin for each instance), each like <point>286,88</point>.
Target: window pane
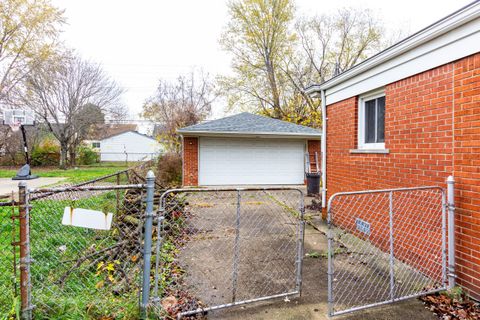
<point>370,121</point>
<point>381,119</point>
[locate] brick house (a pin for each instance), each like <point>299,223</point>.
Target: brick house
<point>410,116</point>
<point>247,149</point>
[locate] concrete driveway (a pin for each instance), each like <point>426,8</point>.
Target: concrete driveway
<point>313,302</point>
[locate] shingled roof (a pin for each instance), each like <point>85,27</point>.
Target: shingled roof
<point>249,124</point>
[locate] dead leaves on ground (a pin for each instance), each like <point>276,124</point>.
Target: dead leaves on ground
<point>452,307</point>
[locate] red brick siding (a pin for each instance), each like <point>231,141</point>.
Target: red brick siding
<point>467,170</point>
<point>190,161</point>
<point>419,135</point>
<point>312,147</point>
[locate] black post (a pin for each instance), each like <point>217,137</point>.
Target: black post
<point>25,172</point>
<point>25,147</point>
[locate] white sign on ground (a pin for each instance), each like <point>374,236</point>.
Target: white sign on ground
<point>85,218</point>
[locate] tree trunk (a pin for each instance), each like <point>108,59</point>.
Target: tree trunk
<point>277,110</point>
<point>73,156</point>
<point>63,155</point>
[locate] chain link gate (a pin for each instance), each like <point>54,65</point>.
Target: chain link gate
<point>85,272</point>
<point>227,247</point>
<point>385,246</point>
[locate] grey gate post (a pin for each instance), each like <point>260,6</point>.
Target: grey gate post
<point>392,253</point>
<point>147,245</point>
<point>451,231</point>
<point>236,248</point>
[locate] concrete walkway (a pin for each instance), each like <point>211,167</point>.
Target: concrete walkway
<point>313,303</point>
<point>8,185</point>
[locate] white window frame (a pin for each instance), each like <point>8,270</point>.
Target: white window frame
<point>361,121</point>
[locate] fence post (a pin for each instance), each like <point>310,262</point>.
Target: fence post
<point>24,251</point>
<point>236,248</point>
<point>392,255</point>
<point>147,245</point>
<point>118,193</point>
<point>451,231</point>
<point>300,240</point>
<point>330,257</point>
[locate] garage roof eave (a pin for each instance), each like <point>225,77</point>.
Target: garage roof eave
<point>249,134</point>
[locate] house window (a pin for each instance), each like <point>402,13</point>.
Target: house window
<point>371,133</point>
<point>95,144</point>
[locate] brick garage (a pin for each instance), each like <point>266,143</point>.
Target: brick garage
<point>431,124</point>
<point>190,161</point>
<point>247,149</point>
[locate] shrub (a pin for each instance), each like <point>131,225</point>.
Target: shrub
<point>86,155</point>
<point>169,170</point>
<point>46,154</point>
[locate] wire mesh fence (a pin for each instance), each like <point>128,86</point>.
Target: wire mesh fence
<point>86,272</point>
<point>226,247</point>
<point>56,247</point>
<point>8,256</point>
<point>385,246</point>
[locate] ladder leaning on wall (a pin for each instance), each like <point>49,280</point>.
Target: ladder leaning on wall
<point>311,163</point>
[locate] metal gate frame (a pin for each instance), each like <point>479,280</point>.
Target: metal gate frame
<point>446,272</point>
<point>27,198</point>
<point>299,246</point>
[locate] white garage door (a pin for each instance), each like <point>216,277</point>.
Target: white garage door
<point>229,161</point>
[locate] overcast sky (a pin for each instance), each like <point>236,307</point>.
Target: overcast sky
<point>138,42</point>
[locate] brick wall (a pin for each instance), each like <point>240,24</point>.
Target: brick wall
<point>467,170</point>
<point>190,161</point>
<point>312,147</point>
<point>419,134</point>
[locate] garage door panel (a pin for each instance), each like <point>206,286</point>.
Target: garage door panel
<point>250,161</point>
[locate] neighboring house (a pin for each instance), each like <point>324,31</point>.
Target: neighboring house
<point>410,116</point>
<point>246,149</point>
<point>129,146</point>
<point>105,130</point>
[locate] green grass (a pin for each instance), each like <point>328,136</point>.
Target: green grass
<point>73,175</point>
<point>55,249</point>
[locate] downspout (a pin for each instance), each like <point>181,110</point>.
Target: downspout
<point>324,148</point>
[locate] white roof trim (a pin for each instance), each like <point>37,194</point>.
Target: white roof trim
<point>249,134</point>
<point>454,37</point>
<point>125,132</point>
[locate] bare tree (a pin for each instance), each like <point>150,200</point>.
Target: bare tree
<point>332,44</point>
<point>88,119</point>
<point>326,45</point>
<point>58,93</point>
<point>257,36</point>
<point>28,36</point>
<point>276,56</point>
<point>182,103</point>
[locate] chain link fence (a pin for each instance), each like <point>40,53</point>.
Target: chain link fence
<point>86,272</point>
<point>226,247</point>
<point>8,256</point>
<point>74,271</point>
<point>385,246</point>
<point>211,249</point>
